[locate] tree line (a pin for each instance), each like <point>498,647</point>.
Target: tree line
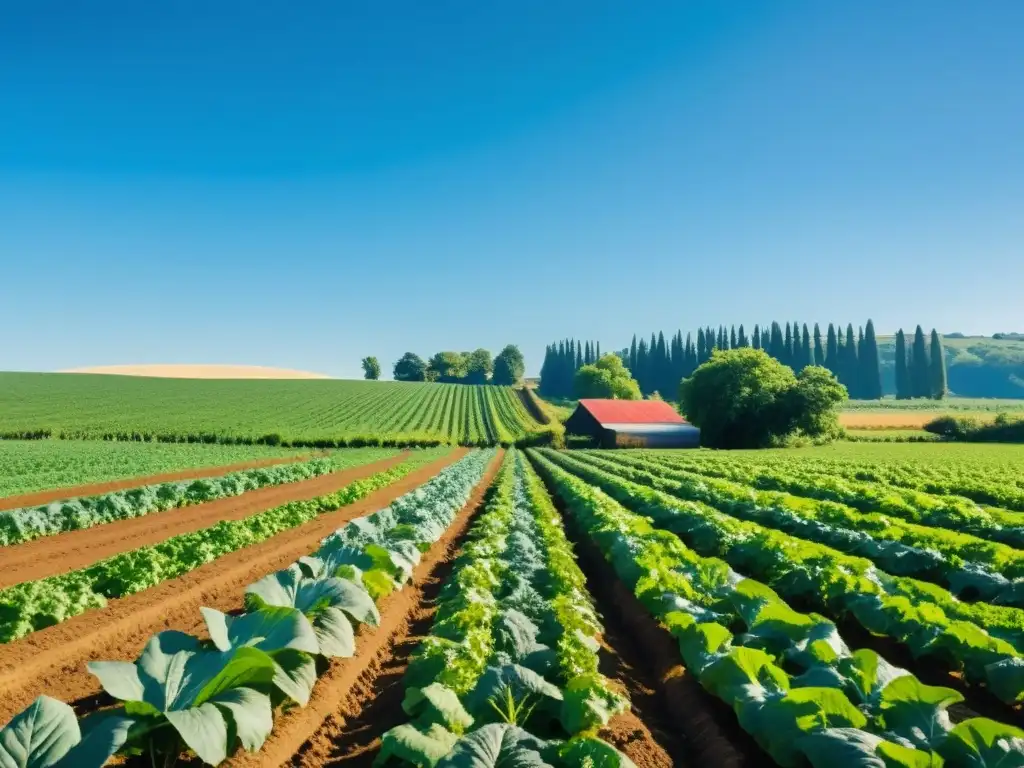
<point>561,361</point>
<point>659,365</point>
<point>921,368</point>
<point>477,367</point>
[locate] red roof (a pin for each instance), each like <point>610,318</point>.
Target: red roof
<point>632,412</point>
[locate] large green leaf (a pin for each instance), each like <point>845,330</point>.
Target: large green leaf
<point>916,711</point>
<point>40,736</point>
<point>291,588</point>
<point>588,704</point>
<point>869,673</point>
<point>421,748</point>
<point>251,714</point>
<point>983,743</point>
<point>854,748</point>
<point>334,634</point>
<point>779,722</point>
<point>1006,679</point>
<point>204,729</point>
<point>436,704</point>
<point>733,677</point>
<point>522,683</point>
<point>270,629</point>
<point>497,746</point>
<point>593,753</point>
<point>295,675</point>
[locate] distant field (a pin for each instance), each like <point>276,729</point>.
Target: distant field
<point>35,465</point>
<point>84,405</point>
<point>984,404</point>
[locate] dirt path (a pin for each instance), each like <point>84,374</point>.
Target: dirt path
<point>38,498</point>
<point>358,699</point>
<point>64,552</point>
<point>531,405</point>
<point>672,715</point>
<point>52,661</point>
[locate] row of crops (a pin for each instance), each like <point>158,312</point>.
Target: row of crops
<point>213,696</point>
<point>37,465</point>
<point>318,412</point>
<point>845,621</point>
<point>736,576</point>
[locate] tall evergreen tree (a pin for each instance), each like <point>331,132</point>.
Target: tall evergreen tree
<point>587,356</point>
<point>849,363</point>
<point>871,367</point>
<point>788,358</point>
<point>755,339</point>
<point>903,386</point>
<point>662,373</point>
<point>632,356</point>
<point>806,352</point>
<point>920,375</point>
<point>579,356</point>
<point>597,356</point>
<point>777,344</point>
<point>702,347</point>
<point>832,350</point>
<point>709,337</point>
<point>818,353</point>
<point>689,357</point>
<point>741,337</point>
<point>642,364</point>
<point>733,342</point>
<point>937,371</point>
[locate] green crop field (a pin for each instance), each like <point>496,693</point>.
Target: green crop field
<point>36,465</point>
<point>92,406</point>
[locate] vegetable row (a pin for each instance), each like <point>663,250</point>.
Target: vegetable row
<point>975,639</point>
<point>34,605</point>
<point>27,523</point>
<point>969,566</point>
<point>211,696</point>
<point>794,684</point>
<point>510,667</point>
<point>957,513</point>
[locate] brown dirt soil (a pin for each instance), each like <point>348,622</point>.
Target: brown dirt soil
<point>358,699</point>
<point>64,552</point>
<point>667,698</point>
<point>52,661</point>
<point>38,498</point>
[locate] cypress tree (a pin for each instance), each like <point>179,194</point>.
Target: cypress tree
<point>579,356</point>
<point>832,350</point>
<point>871,366</point>
<point>689,357</point>
<point>632,356</point>
<point>702,348</point>
<point>788,357</point>
<point>920,377</point>
<point>661,369</point>
<point>850,365</point>
<point>937,371</point>
<point>902,372</point>
<point>709,338</point>
<point>733,344</point>
<point>597,354</point>
<point>806,353</point>
<point>545,370</point>
<point>741,337</point>
<point>587,359</point>
<point>755,340</point>
<point>641,365</point>
<point>818,354</point>
<point>776,344</point>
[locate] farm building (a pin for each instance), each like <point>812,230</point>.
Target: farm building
<point>632,423</point>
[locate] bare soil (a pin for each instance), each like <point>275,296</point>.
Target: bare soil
<point>52,661</point>
<point>359,699</point>
<point>65,552</point>
<point>886,419</point>
<point>38,498</point>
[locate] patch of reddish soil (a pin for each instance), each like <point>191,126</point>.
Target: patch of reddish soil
<point>358,699</point>
<point>52,661</point>
<point>673,712</point>
<point>38,498</point>
<point>65,552</point>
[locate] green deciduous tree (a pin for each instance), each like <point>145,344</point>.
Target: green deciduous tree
<point>410,367</point>
<point>745,399</point>
<point>606,378</point>
<point>449,367</point>
<point>509,366</point>
<point>371,368</point>
<point>479,366</point>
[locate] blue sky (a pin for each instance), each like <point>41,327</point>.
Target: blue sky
<point>301,184</point>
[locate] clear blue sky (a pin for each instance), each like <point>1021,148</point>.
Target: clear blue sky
<point>301,184</point>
